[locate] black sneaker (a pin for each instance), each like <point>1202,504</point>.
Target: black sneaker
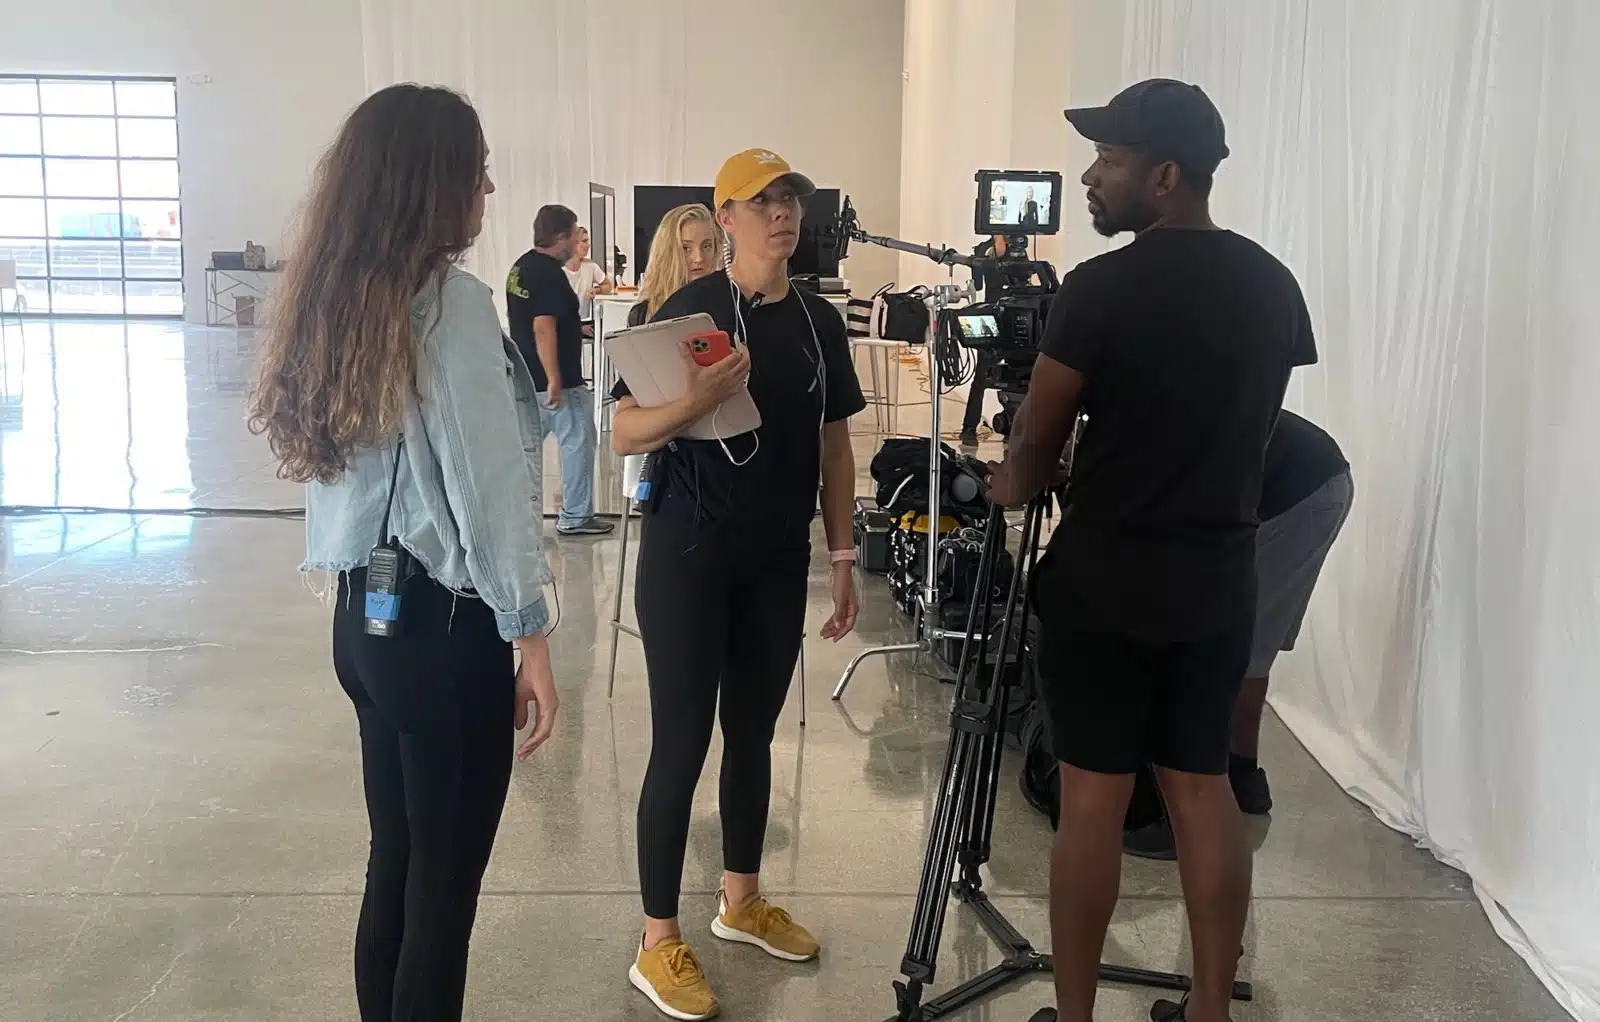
<point>1251,789</point>
<point>1044,1015</point>
<point>590,526</point>
<point>969,438</point>
<point>1167,1011</point>
<point>1154,841</point>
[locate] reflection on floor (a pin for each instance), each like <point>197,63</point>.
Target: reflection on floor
<point>181,826</point>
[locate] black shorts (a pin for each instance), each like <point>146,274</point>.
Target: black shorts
<point>1117,702</point>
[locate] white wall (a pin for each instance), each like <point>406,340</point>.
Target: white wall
<point>1040,134</point>
<point>956,120</point>
<point>628,92</point>
<point>1094,58</point>
<point>817,82</point>
<point>282,74</point>
<point>669,88</point>
<point>986,84</point>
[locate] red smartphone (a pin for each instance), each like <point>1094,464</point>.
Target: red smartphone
<point>710,347</point>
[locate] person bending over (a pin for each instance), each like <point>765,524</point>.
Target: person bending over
<point>723,560</point>
<point>1179,347</point>
<point>1306,494</point>
<point>587,280</point>
<point>547,327</point>
<point>687,246</point>
<point>387,386</point>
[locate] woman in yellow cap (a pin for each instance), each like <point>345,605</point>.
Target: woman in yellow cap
<point>723,564</point>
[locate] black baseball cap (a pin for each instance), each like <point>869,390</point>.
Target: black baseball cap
<point>1171,120</point>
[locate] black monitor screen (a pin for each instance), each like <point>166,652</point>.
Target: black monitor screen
<point>814,255</point>
<point>651,204</point>
<point>979,327</point>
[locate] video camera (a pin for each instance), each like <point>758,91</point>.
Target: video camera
<point>1008,325</point>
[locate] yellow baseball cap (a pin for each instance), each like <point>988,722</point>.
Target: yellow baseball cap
<point>744,175</point>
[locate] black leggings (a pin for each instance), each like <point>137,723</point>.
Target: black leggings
<point>720,610</point>
<point>436,708</point>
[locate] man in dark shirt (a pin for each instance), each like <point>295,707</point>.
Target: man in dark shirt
<point>1179,347</point>
<point>542,309</point>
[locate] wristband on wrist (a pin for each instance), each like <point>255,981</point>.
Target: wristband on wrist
<point>841,556</point>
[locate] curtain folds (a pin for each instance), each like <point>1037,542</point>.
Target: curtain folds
<point>1428,169</point>
<point>568,93</point>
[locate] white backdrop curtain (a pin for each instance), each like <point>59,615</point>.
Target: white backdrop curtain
<point>569,93</point>
<point>1429,168</point>
<point>956,118</point>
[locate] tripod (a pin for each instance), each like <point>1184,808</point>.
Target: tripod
<point>963,819</point>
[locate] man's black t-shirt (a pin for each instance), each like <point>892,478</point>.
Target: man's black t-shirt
<point>775,486</point>
<point>1301,457</point>
<point>1186,339</point>
<point>538,286</point>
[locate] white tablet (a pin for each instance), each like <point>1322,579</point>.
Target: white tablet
<point>652,362</point>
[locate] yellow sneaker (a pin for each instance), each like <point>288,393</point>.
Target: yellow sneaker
<point>765,925</point>
<point>670,975</point>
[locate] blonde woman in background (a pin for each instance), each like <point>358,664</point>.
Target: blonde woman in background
<point>687,246</point>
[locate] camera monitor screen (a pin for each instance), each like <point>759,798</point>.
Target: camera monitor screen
<point>1018,202</point>
<point>978,328</point>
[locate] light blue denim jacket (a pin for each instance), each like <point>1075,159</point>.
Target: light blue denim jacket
<point>468,501</point>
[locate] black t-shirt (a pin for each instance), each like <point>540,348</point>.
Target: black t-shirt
<point>1186,339</point>
<point>538,286</point>
<point>1301,457</point>
<point>775,487</point>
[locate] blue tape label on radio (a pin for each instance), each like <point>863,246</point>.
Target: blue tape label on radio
<point>383,606</point>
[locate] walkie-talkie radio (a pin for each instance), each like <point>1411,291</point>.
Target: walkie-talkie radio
<point>385,574</point>
<point>388,568</point>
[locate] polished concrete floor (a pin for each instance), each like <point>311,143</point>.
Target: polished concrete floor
<point>181,826</point>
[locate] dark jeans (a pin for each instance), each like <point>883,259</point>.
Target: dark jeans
<point>721,611</point>
<point>436,708</point>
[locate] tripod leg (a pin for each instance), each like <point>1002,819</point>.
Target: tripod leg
<point>1013,634</point>
<point>802,681</point>
<point>616,604</point>
<point>964,818</point>
<point>951,812</point>
<point>855,661</point>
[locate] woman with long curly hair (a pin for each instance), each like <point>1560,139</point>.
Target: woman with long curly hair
<point>388,388</point>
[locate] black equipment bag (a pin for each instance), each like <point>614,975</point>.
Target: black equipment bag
<point>900,470</point>
<point>1041,773</point>
<point>904,316</point>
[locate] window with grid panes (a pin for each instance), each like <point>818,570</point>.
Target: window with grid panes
<point>89,196</point>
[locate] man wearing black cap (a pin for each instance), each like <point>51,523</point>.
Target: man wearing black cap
<point>1179,347</point>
